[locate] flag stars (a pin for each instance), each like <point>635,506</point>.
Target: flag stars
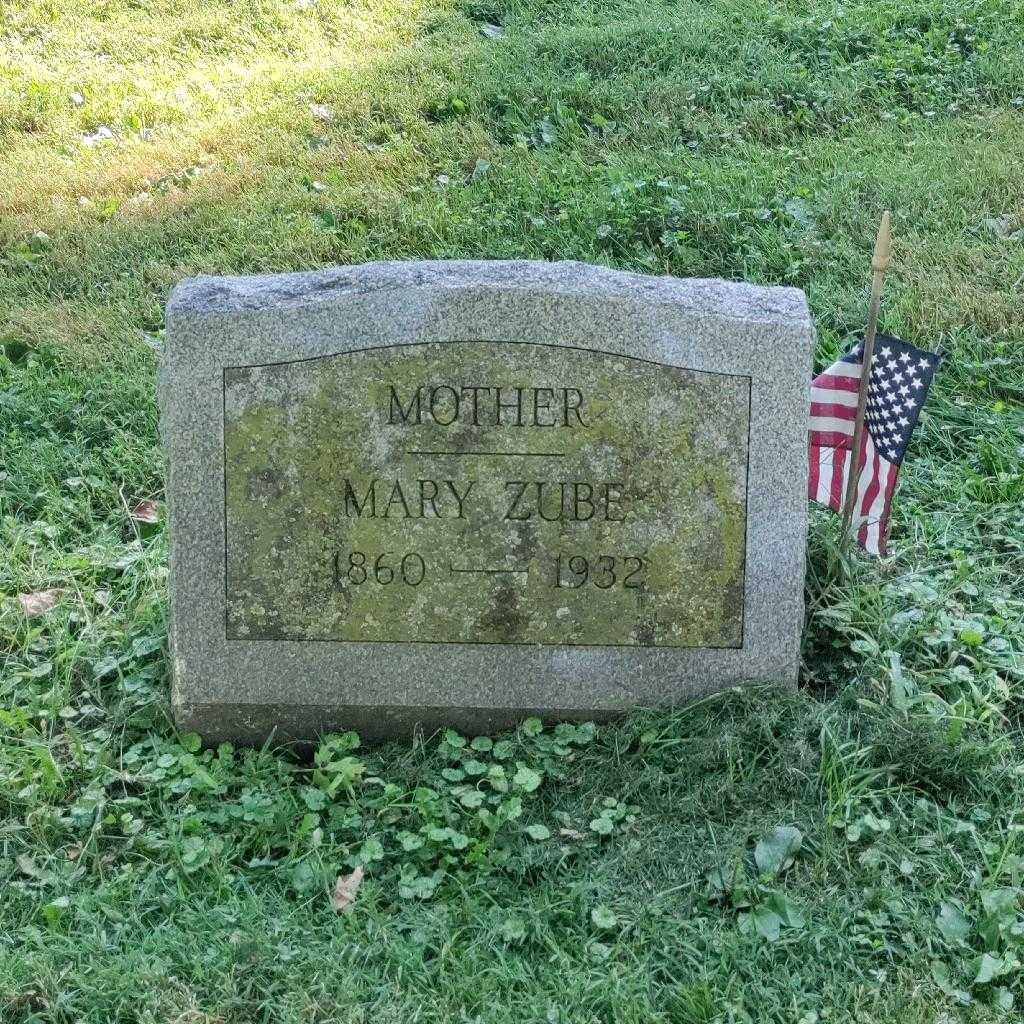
<point>897,384</point>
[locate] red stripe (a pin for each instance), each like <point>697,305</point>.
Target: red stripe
<point>836,383</point>
<point>870,493</point>
<point>815,470</point>
<point>841,412</point>
<point>861,463</point>
<point>836,490</point>
<point>890,488</point>
<point>831,439</point>
<point>873,488</point>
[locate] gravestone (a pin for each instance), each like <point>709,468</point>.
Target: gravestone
<point>425,493</point>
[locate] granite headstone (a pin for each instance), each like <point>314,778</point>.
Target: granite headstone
<point>425,493</point>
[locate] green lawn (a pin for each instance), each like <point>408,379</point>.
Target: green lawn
<point>851,852</point>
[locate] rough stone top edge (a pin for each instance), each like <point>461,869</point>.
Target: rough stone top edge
<point>700,296</point>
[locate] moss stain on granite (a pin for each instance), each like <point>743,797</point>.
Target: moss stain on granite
<point>675,439</point>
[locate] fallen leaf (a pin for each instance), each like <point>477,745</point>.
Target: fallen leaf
<point>39,602</point>
<point>145,512</point>
<point>345,890</point>
<point>1004,226</point>
<point>102,134</point>
<point>322,112</point>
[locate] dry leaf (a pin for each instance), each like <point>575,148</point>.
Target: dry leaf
<point>1005,226</point>
<point>322,112</point>
<point>345,890</point>
<point>145,512</point>
<point>40,602</point>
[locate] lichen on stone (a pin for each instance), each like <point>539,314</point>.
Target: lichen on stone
<point>353,514</point>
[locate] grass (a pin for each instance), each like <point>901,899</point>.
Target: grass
<point>648,872</point>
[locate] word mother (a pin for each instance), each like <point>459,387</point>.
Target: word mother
<point>477,406</point>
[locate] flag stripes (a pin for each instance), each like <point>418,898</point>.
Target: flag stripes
<point>900,378</point>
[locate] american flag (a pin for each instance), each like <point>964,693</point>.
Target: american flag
<point>900,378</point>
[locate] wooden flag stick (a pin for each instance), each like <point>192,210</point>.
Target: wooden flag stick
<point>879,265</point>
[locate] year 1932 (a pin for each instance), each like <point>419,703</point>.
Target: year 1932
<point>603,571</point>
